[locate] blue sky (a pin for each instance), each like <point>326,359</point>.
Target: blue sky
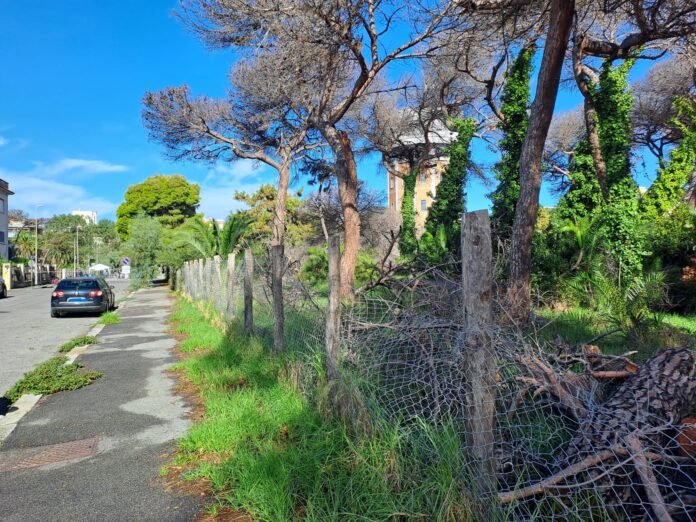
<point>73,75</point>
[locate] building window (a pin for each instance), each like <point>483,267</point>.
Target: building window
<point>2,206</point>
<point>421,176</point>
<point>2,237</point>
<point>424,205</point>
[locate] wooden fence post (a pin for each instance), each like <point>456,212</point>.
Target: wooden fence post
<point>248,291</point>
<point>217,283</point>
<point>333,312</point>
<point>477,279</point>
<point>277,289</point>
<point>231,284</point>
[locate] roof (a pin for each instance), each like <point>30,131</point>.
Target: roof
<point>4,185</point>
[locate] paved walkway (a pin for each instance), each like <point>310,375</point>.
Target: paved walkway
<point>95,453</point>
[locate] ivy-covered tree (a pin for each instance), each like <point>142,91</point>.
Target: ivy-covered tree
<point>584,194</point>
<point>448,206</point>
<point>614,199</point>
<point>514,105</point>
<point>614,103</point>
<point>668,189</point>
<point>408,244</point>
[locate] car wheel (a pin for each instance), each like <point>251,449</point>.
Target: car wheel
<point>54,313</point>
<point>3,292</point>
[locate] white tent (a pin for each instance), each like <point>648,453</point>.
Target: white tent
<point>99,268</point>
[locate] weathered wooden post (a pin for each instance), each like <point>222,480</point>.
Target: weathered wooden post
<point>248,291</point>
<point>277,255</point>
<point>217,283</point>
<point>477,279</point>
<point>231,284</point>
<point>333,312</point>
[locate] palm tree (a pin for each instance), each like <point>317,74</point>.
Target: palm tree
<point>207,240</point>
<point>233,232</point>
<point>25,243</point>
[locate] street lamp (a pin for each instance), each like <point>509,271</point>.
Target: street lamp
<point>36,247</point>
<point>77,247</point>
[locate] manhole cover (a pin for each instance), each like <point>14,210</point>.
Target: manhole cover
<point>15,460</point>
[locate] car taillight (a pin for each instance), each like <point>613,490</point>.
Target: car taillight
<point>95,293</point>
<point>58,294</point>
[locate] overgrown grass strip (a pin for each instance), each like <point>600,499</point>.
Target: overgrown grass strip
<point>52,376</point>
<point>265,449</point>
<point>109,318</point>
<point>78,341</point>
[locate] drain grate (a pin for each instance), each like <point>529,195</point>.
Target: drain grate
<point>16,460</point>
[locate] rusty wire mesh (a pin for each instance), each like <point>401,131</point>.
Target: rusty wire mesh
<point>570,439</point>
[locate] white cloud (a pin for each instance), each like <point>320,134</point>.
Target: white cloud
<point>223,180</point>
<point>76,166</point>
<point>53,196</point>
<point>3,141</point>
<point>39,186</point>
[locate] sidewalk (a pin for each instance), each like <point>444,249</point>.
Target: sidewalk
<point>95,453</point>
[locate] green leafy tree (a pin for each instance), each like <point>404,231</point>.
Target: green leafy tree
<point>144,247</point>
<point>448,206</point>
<point>170,199</point>
<point>515,102</point>
<point>60,235</point>
<point>408,244</point>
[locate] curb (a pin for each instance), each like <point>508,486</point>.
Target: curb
<point>21,406</point>
<point>26,402</point>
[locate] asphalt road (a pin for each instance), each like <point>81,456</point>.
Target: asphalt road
<point>28,334</point>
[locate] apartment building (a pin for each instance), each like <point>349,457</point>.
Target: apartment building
<point>5,194</point>
<point>429,175</point>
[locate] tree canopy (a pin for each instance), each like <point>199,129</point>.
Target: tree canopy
<point>168,198</point>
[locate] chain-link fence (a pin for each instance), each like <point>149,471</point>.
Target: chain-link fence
<point>545,433</point>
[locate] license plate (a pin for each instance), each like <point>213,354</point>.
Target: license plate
<point>77,299</point>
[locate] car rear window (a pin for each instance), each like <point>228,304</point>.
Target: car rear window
<point>77,285</point>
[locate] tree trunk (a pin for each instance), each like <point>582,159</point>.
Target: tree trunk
<point>595,146</point>
<point>279,210</point>
<point>519,289</point>
<point>590,114</point>
<point>277,254</point>
<point>347,178</point>
<point>333,311</point>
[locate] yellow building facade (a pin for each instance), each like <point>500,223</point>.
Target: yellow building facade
<point>425,190</point>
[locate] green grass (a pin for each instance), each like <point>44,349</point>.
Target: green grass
<point>266,450</point>
<point>580,325</point>
<point>78,341</point>
<point>52,376</point>
<point>109,318</point>
<point>686,323</point>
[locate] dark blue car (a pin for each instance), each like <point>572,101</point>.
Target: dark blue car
<point>82,294</point>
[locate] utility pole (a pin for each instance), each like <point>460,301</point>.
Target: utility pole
<point>77,241</point>
<point>36,246</point>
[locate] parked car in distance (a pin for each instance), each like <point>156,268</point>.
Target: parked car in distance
<point>3,288</point>
<point>82,294</point>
